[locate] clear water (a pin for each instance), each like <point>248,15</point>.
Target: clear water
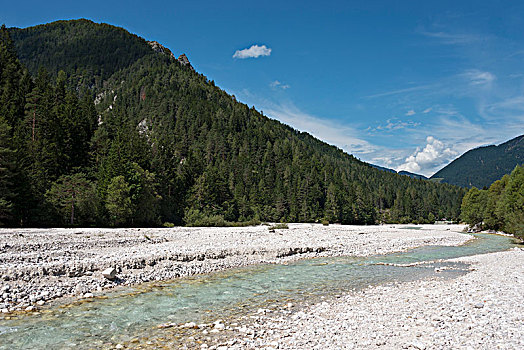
<point>135,312</point>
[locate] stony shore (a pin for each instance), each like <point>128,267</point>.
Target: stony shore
<point>480,310</point>
<point>39,265</point>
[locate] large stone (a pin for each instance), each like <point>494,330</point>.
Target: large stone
<point>109,273</point>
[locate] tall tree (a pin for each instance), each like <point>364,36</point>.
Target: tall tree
<point>74,197</point>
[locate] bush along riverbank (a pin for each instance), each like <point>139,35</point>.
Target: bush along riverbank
<point>500,208</point>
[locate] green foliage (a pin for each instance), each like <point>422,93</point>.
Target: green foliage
<point>482,166</point>
<point>473,204</point>
<point>118,201</point>
<point>164,144</point>
<point>281,226</point>
<point>88,52</point>
<point>74,197</point>
<point>6,173</point>
<point>144,196</point>
<point>512,203</point>
<point>501,207</point>
<point>194,217</point>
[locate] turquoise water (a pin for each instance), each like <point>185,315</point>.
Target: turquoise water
<point>134,312</point>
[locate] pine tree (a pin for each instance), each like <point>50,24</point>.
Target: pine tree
<point>118,201</point>
<point>6,173</point>
<point>74,197</point>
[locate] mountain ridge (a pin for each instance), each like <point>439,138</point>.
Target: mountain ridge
<point>170,146</point>
<point>481,166</point>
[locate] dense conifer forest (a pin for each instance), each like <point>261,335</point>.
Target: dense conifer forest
<point>501,207</point>
<point>98,128</point>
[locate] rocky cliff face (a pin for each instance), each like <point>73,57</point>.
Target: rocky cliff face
<point>157,47</point>
<point>184,60</point>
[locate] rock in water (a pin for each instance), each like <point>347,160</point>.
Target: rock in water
<point>109,273</point>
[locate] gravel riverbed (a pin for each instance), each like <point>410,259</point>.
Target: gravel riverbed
<point>39,265</point>
<point>480,310</point>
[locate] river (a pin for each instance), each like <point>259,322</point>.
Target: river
<point>131,315</point>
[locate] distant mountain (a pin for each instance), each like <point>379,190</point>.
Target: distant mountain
<point>413,175</point>
<point>383,168</point>
<point>402,172</point>
<point>481,166</point>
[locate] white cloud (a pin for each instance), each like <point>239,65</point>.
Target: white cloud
<point>508,108</point>
<point>410,112</point>
<point>453,38</point>
<point>477,77</point>
<point>427,110</point>
<point>402,91</point>
<point>253,52</point>
<point>331,132</point>
<point>394,124</point>
<point>431,156</point>
<point>277,84</point>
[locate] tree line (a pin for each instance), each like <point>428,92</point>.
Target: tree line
<point>500,207</point>
<point>155,142</point>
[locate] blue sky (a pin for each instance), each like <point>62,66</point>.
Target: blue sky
<point>403,84</point>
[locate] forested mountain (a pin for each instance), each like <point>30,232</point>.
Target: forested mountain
<point>402,172</point>
<point>99,128</point>
<point>480,167</point>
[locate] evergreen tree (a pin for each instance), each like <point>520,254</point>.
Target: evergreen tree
<point>74,197</point>
<point>118,201</point>
<point>6,173</point>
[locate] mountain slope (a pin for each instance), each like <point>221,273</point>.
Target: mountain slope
<point>171,146</point>
<point>413,175</point>
<point>88,52</point>
<point>480,167</point>
<point>402,172</point>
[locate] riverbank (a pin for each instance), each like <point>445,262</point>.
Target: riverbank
<point>480,310</point>
<point>39,265</point>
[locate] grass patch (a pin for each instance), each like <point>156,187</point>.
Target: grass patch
<point>280,226</point>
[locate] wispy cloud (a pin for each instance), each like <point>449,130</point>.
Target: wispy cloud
<point>453,38</point>
<point>401,91</point>
<point>410,112</point>
<point>254,51</point>
<point>394,124</point>
<point>277,84</point>
<point>427,110</point>
<point>508,108</point>
<point>342,136</point>
<point>477,77</point>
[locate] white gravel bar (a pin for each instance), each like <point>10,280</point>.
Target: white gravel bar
<point>38,265</point>
<point>483,309</point>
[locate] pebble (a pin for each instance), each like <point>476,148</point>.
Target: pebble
<point>219,326</point>
<point>67,262</point>
<point>424,314</point>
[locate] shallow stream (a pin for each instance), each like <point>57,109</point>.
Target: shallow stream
<point>133,313</point>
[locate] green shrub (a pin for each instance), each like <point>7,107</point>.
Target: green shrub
<point>279,226</point>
